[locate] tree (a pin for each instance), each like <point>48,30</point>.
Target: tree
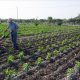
<point>36,22</point>
<point>59,22</point>
<point>50,19</point>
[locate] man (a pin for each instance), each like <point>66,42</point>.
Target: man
<point>13,31</point>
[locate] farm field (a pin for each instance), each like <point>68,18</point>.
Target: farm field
<point>46,52</point>
<point>27,29</point>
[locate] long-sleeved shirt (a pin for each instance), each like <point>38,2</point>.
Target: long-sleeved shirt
<point>13,26</point>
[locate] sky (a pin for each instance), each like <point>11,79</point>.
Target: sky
<point>40,9</point>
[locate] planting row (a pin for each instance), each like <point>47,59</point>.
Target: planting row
<point>35,53</point>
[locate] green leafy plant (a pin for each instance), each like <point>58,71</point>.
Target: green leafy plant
<point>48,57</point>
<point>26,66</point>
<point>10,59</point>
<point>21,55</point>
<point>62,49</point>
<point>64,41</point>
<point>40,48</point>
<point>55,53</point>
<point>48,46</point>
<point>77,64</point>
<point>70,71</point>
<point>9,73</point>
<point>39,61</point>
<point>53,45</point>
<point>29,43</point>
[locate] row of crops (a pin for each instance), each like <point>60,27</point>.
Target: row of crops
<point>48,56</point>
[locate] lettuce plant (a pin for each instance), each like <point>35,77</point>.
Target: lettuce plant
<point>48,57</point>
<point>55,53</point>
<point>70,72</point>
<point>26,66</point>
<point>10,59</point>
<point>39,61</point>
<point>77,66</point>
<point>9,73</point>
<point>21,55</point>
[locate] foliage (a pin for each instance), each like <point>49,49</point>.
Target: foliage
<point>64,48</point>
<point>10,59</point>
<point>55,53</point>
<point>77,64</point>
<point>40,48</point>
<point>29,29</point>
<point>50,19</point>
<point>9,73</point>
<point>39,61</point>
<point>26,66</point>
<point>36,22</point>
<point>21,55</point>
<point>70,71</point>
<point>48,57</point>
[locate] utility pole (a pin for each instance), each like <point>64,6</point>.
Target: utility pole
<point>17,12</point>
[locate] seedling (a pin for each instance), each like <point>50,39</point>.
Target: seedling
<point>62,49</point>
<point>10,59</point>
<point>48,57</point>
<point>9,74</point>
<point>53,45</point>
<point>48,46</point>
<point>39,61</point>
<point>55,53</point>
<point>21,55</point>
<point>70,72</point>
<point>26,67</point>
<point>40,49</point>
<point>77,66</point>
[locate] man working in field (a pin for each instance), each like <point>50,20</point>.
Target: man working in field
<point>13,31</point>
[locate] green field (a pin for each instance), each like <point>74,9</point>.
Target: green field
<point>27,29</point>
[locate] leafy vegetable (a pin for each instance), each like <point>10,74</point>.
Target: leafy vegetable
<point>21,55</point>
<point>48,56</point>
<point>55,53</point>
<point>9,73</point>
<point>26,66</point>
<point>10,59</point>
<point>77,64</point>
<point>39,61</point>
<point>70,71</point>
